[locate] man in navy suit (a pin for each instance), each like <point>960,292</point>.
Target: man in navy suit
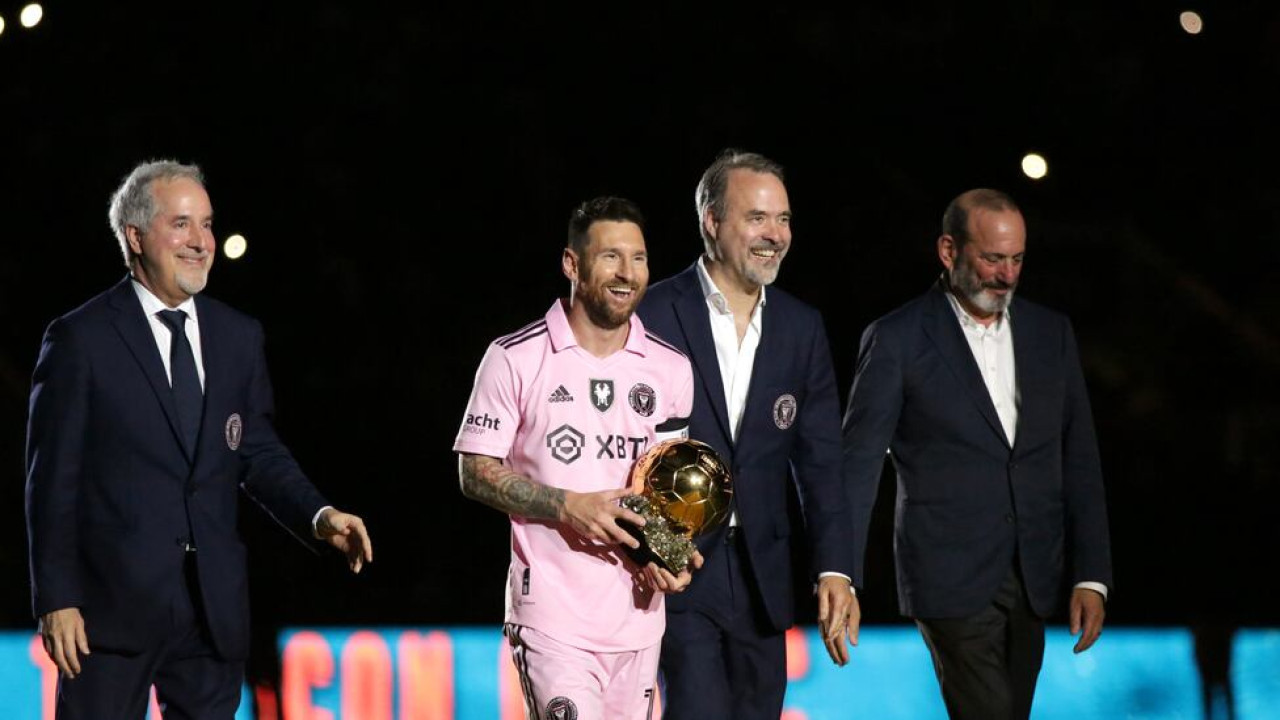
<point>980,400</point>
<point>150,408</point>
<point>765,398</point>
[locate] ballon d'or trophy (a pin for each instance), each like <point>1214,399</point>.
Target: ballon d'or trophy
<point>681,489</point>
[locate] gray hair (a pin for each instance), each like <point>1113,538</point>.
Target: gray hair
<point>133,202</point>
<point>715,181</point>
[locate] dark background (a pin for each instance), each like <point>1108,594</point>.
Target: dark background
<point>403,177</point>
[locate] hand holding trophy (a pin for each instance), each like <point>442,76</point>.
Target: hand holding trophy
<point>682,489</point>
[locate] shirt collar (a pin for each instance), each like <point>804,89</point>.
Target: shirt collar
<point>151,305</point>
<point>562,338</point>
<point>714,297</point>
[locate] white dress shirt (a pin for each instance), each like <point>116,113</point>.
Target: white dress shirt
<point>737,360</point>
<point>992,347</point>
<point>151,306</point>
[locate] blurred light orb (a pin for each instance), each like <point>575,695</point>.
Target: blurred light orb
<point>1034,166</point>
<point>1191,22</point>
<point>234,247</point>
<point>1,24</point>
<point>31,15</point>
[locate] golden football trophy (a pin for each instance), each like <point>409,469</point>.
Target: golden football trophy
<point>682,489</point>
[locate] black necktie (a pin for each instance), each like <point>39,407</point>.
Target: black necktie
<point>187,394</point>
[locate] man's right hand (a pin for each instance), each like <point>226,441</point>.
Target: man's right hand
<point>63,634</point>
<point>595,516</point>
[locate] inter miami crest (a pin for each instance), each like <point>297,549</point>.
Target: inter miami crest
<point>642,399</point>
<point>601,394</point>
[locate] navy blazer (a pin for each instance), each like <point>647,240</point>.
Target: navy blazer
<point>110,486</point>
<point>966,499</point>
<point>780,441</point>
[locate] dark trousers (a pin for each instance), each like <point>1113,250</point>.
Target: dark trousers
<point>720,658</point>
<point>191,681</point>
<point>987,664</point>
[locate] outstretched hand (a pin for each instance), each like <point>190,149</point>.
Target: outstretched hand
<point>347,533</point>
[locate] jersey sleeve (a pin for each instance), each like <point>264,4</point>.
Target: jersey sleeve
<point>493,412</point>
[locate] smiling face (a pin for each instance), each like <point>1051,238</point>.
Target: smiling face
<point>984,272</point>
<point>747,244</point>
<point>611,275</point>
<point>172,255</point>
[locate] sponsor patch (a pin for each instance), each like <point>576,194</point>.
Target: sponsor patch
<point>642,399</point>
<point>477,424</point>
<point>601,394</point>
<point>234,431</point>
<point>784,411</point>
<point>566,443</point>
<point>561,708</point>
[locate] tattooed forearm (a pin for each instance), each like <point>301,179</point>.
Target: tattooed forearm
<point>486,479</point>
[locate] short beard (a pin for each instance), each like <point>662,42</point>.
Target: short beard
<point>192,285</point>
<point>965,283</point>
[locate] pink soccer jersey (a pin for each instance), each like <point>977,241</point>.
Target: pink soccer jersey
<point>563,417</point>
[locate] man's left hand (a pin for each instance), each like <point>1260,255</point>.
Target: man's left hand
<point>838,616</point>
<point>660,579</point>
<point>1088,610</point>
<point>346,532</point>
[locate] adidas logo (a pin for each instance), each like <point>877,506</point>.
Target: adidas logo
<point>560,395</point>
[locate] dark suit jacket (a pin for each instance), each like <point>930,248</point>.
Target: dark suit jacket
<point>794,360</point>
<point>110,486</point>
<point>967,500</point>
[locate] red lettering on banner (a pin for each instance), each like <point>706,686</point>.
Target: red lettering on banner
<point>426,675</point>
<point>307,662</point>
<point>366,677</point>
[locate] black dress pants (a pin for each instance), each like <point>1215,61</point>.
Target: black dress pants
<point>987,664</point>
<point>191,681</point>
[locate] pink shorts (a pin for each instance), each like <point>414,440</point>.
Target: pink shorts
<point>561,682</point>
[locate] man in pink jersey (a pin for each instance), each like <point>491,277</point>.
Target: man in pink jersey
<point>560,411</point>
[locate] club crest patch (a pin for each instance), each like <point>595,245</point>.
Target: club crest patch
<point>642,399</point>
<point>601,394</point>
<point>561,708</point>
<point>234,431</point>
<point>784,411</point>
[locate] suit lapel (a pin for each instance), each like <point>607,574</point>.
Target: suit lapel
<point>943,329</point>
<point>135,330</point>
<point>773,344</point>
<point>210,345</point>
<point>691,312</point>
<point>1029,372</point>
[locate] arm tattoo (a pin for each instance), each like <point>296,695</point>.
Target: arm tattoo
<point>486,479</point>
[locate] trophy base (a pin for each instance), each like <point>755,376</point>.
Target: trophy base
<point>658,541</point>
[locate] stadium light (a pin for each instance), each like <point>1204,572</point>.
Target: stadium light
<point>234,247</point>
<point>1191,22</point>
<point>31,15</point>
<point>1034,166</point>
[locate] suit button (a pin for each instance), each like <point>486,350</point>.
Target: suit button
<point>1008,518</point>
